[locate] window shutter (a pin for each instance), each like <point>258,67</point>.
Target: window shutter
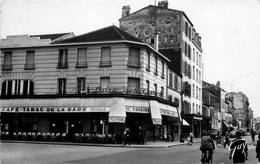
<point>105,54</point>
<point>82,55</point>
<point>134,56</point>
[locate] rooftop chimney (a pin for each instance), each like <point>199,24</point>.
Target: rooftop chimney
<point>218,84</point>
<point>163,4</point>
<point>156,40</point>
<point>125,11</point>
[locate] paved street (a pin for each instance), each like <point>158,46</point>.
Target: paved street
<point>24,153</point>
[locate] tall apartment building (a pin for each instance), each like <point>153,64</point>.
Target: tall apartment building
<point>96,83</point>
<point>179,41</point>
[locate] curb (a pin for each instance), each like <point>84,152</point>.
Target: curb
<point>97,145</point>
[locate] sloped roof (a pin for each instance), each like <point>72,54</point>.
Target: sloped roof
<point>110,33</point>
<point>50,36</point>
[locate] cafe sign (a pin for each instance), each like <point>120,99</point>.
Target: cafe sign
<point>53,109</point>
<point>138,109</point>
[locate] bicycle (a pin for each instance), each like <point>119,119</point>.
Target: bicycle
<point>220,141</point>
<point>206,158</point>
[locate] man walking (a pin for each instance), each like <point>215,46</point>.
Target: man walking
<point>238,149</point>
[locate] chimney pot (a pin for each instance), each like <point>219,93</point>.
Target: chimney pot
<point>125,11</point>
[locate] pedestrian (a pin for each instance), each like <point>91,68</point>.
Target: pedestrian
<point>252,135</point>
<point>257,149</point>
<point>126,136</point>
<point>140,137</point>
<point>238,149</point>
<point>227,142</point>
<point>191,137</point>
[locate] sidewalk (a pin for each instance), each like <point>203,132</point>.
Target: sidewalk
<point>157,144</point>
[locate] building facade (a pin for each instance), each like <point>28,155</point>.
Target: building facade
<point>95,83</point>
<point>179,41</point>
<point>242,110</point>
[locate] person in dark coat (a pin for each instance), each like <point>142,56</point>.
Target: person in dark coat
<point>140,137</point>
<point>127,135</point>
<point>227,141</point>
<point>257,149</point>
<point>252,135</point>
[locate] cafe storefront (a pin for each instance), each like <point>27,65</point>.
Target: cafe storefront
<point>109,115</point>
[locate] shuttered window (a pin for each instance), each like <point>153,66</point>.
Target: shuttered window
<point>63,58</point>
<point>7,60</point>
<point>81,85</point>
<point>61,86</point>
<point>105,56</point>
<point>134,57</point>
<point>82,57</point>
<point>104,82</point>
<point>30,60</point>
<point>133,84</point>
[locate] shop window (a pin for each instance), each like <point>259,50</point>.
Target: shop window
<point>81,81</point>
<point>82,57</point>
<point>133,85</point>
<point>105,57</point>
<point>7,65</point>
<point>134,57</point>
<point>63,58</point>
<point>30,60</point>
<point>61,86</point>
<point>17,87</point>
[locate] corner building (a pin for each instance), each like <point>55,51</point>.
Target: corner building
<point>95,83</point>
<point>178,41</point>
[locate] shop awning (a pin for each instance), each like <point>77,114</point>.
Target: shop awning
<point>117,112</point>
<point>185,123</point>
<point>155,113</point>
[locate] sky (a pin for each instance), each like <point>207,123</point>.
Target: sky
<point>230,31</point>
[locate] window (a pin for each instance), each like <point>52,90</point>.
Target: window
<point>104,82</point>
<point>18,87</point>
<point>134,57</point>
<point>193,72</point>
<point>189,33</point>
<point>186,28</point>
<point>133,85</point>
<point>155,90</point>
<point>105,56</point>
<point>185,50</point>
<point>185,68</point>
<point>197,56</point>
<point>189,52</point>
<point>61,86</point>
<point>170,80</point>
<point>193,54</point>
<point>81,81</point>
<point>156,66</point>
<point>193,108</point>
<point>175,82</point>
<point>29,60</point>
<point>82,57</point>
<point>189,71</point>
<point>162,92</point>
<point>63,58</point>
<point>197,75</point>
<point>193,90</point>
<point>197,92</point>
<point>162,70</point>
<point>200,60</point>
<point>7,65</point>
<point>148,61</point>
<point>148,87</point>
